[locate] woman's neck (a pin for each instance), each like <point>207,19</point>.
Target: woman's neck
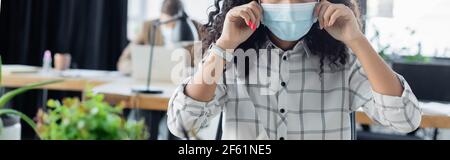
<point>284,45</point>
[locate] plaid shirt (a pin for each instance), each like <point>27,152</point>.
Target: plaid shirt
<point>304,106</point>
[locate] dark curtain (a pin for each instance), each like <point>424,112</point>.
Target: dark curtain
<point>92,31</point>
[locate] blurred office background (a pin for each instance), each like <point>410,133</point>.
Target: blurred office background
<point>103,27</point>
<point>412,35</point>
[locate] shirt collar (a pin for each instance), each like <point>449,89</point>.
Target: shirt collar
<point>300,47</point>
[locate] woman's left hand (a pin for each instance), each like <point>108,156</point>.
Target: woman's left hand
<point>339,21</point>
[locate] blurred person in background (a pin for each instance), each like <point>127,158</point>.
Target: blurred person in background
<point>169,34</point>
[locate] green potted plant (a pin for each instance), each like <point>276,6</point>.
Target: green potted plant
<point>10,128</point>
<point>73,119</point>
<point>88,119</point>
<point>391,55</point>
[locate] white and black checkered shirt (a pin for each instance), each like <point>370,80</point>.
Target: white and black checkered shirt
<point>304,106</point>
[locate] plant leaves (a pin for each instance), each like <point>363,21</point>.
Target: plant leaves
<point>10,95</point>
<point>1,126</point>
<point>1,64</point>
<point>90,119</point>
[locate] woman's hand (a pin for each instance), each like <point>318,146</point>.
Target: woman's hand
<point>339,21</point>
<point>240,23</point>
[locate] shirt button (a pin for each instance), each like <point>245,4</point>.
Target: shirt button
<point>282,110</point>
<point>283,84</point>
<point>285,58</point>
<point>282,138</point>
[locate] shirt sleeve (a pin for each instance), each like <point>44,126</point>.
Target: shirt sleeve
<point>402,114</point>
<point>188,116</point>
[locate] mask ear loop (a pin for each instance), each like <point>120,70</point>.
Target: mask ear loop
<point>259,2</point>
<point>317,18</point>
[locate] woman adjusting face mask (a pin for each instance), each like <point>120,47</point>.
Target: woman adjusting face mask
<point>289,21</point>
<point>304,62</point>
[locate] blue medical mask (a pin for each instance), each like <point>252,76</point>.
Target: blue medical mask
<point>289,21</point>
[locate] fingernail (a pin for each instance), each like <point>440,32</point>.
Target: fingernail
<point>251,25</point>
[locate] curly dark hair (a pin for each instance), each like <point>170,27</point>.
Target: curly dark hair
<point>320,42</point>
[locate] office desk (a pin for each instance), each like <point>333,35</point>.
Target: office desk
<point>115,87</point>
<point>428,121</point>
<point>121,91</point>
<point>74,80</point>
<point>435,115</point>
<point>118,88</point>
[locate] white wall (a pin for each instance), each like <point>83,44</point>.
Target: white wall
<point>429,19</point>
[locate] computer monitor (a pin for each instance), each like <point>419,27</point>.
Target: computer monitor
<point>429,82</point>
<point>165,61</point>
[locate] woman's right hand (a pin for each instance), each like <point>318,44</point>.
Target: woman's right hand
<point>240,23</point>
